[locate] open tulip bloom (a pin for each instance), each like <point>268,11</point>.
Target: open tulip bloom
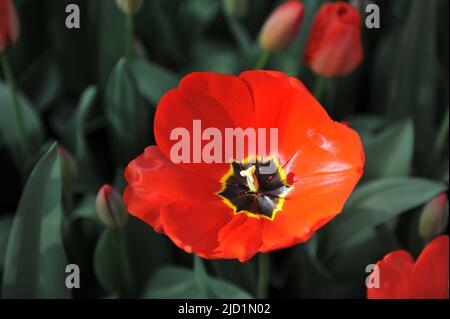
<point>208,201</point>
<point>222,179</point>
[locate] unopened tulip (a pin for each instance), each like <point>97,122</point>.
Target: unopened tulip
<point>9,24</point>
<point>129,6</point>
<point>434,218</point>
<point>68,166</point>
<point>334,46</point>
<point>282,26</point>
<point>111,210</point>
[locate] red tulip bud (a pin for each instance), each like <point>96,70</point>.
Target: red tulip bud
<point>434,218</point>
<point>111,210</point>
<point>9,24</point>
<point>281,28</point>
<point>334,46</point>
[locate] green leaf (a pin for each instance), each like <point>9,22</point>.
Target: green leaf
<point>406,72</point>
<point>111,264</point>
<point>390,153</point>
<point>144,250</point>
<point>181,283</point>
<point>129,119</point>
<point>365,124</point>
<point>35,260</point>
<point>110,36</point>
<point>9,130</point>
<point>5,227</point>
<point>153,80</point>
<point>376,203</point>
<point>76,135</point>
<point>42,82</point>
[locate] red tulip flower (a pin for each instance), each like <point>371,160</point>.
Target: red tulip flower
<point>9,25</point>
<point>334,46</point>
<point>402,278</point>
<point>232,208</point>
<point>282,26</point>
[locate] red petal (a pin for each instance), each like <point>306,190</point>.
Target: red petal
<point>429,277</point>
<point>241,237</point>
<point>324,171</point>
<point>219,101</point>
<point>394,272</point>
<point>194,226</point>
<point>154,181</point>
<point>284,103</point>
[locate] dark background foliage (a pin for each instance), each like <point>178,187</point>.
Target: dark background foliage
<point>79,92</point>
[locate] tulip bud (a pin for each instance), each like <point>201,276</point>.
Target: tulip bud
<point>68,166</point>
<point>9,24</point>
<point>282,26</point>
<point>334,46</point>
<point>111,209</point>
<point>236,8</point>
<point>434,218</point>
<point>129,6</point>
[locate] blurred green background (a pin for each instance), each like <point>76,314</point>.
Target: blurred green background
<point>76,89</point>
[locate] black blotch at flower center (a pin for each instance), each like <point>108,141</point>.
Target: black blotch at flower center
<point>263,200</point>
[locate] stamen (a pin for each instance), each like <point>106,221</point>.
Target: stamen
<point>252,181</point>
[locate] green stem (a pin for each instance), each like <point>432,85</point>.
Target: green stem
<point>262,60</point>
<point>129,34</point>
<point>128,287</point>
<point>262,288</point>
<point>442,136</point>
<point>320,85</point>
<point>201,276</point>
<point>15,101</point>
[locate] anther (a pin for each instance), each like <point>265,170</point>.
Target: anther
<point>252,180</point>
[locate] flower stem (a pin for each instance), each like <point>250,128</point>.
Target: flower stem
<point>129,34</point>
<point>201,276</point>
<point>262,288</point>
<point>442,136</point>
<point>262,60</point>
<point>318,90</point>
<point>15,101</point>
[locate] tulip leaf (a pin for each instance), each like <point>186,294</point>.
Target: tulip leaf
<point>129,119</point>
<point>111,265</point>
<point>110,23</point>
<point>42,82</point>
<point>145,251</point>
<point>390,152</point>
<point>9,128</point>
<point>76,136</point>
<point>5,226</point>
<point>375,203</point>
<point>180,283</point>
<point>407,72</point>
<point>35,259</point>
<point>153,80</point>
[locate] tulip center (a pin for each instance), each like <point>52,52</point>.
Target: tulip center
<point>257,188</point>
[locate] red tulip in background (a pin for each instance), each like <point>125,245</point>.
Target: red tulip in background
<point>402,278</point>
<point>282,26</point>
<point>334,46</point>
<point>229,209</point>
<point>9,25</point>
